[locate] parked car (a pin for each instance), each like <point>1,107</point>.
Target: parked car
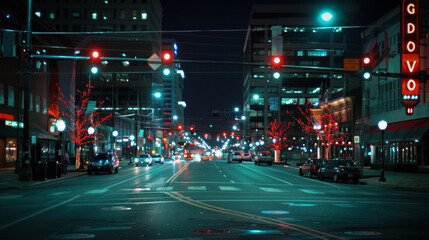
<point>340,170</point>
<point>143,159</point>
<point>157,158</point>
<point>103,162</point>
<point>311,167</point>
<point>264,157</point>
<point>246,157</point>
<point>235,156</point>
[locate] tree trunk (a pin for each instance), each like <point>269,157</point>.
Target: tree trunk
<point>77,157</point>
<point>327,152</point>
<point>277,156</point>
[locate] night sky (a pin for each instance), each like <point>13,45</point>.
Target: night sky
<point>216,86</point>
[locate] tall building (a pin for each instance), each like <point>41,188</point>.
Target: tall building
<point>406,136</point>
<point>126,33</point>
<point>312,51</point>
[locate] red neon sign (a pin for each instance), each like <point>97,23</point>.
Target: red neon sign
<point>6,116</point>
<point>410,63</point>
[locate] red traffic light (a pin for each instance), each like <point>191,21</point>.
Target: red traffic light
<point>276,61</point>
<point>149,138</point>
<point>366,61</point>
<point>179,127</point>
<point>224,134</point>
<point>206,135</point>
<point>191,128</point>
<point>95,54</point>
<point>170,134</point>
<point>167,57</point>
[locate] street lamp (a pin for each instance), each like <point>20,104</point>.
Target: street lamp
<point>382,125</point>
<point>326,16</point>
<point>91,131</point>
<point>61,126</point>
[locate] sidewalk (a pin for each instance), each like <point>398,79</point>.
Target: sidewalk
<point>403,180</point>
<point>10,180</point>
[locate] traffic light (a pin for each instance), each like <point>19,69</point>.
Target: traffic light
<point>366,65</point>
<point>224,134</point>
<point>191,129</point>
<point>179,127</point>
<point>276,62</point>
<point>95,62</point>
<point>167,61</point>
<point>170,134</point>
<point>206,135</point>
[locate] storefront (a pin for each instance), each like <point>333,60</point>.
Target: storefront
<point>406,145</point>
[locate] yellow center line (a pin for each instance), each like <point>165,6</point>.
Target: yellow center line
<point>176,175</point>
<point>298,228</point>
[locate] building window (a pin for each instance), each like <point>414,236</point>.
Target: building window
<point>11,150</point>
<point>134,14</point>
<point>1,93</point>
<point>289,101</point>
<point>11,96</point>
<point>45,106</point>
<point>52,14</point>
<point>94,15</point>
<point>317,53</point>
<point>37,100</point>
<point>122,14</point>
<point>76,14</point>
<point>300,53</point>
<point>31,102</point>
<point>144,14</point>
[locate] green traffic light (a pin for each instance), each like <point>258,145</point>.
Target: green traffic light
<point>94,70</point>
<point>367,75</point>
<point>276,75</point>
<point>166,71</point>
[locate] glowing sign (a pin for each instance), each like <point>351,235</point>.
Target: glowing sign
<point>410,54</point>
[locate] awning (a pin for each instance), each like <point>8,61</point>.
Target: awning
<point>406,131</point>
<point>41,133</point>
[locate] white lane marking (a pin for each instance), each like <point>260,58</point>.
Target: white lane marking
<point>224,175</point>
<point>96,191</point>
<point>345,205</point>
<point>229,188</point>
<point>10,196</point>
<point>197,188</point>
<point>270,189</point>
<point>137,176</point>
<point>232,181</point>
<point>278,179</point>
<point>58,193</point>
<point>310,179</point>
<point>164,188</point>
<point>37,213</point>
<point>311,191</point>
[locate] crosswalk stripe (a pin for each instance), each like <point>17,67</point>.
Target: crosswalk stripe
<point>229,188</point>
<point>270,189</point>
<point>164,188</point>
<point>96,191</point>
<point>311,191</point>
<point>197,188</point>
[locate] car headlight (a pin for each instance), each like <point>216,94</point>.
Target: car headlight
<point>136,159</point>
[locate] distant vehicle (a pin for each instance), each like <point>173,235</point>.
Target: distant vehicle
<point>177,156</point>
<point>143,159</point>
<point>311,167</point>
<point>264,157</point>
<point>103,162</point>
<point>235,156</point>
<point>188,156</point>
<point>157,158</point>
<point>207,156</point>
<point>246,157</point>
<point>340,170</point>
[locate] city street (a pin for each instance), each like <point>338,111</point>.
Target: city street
<point>210,200</point>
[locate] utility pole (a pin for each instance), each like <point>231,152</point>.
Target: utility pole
<point>25,174</point>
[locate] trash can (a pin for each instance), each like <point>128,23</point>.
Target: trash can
<point>51,170</point>
<point>39,171</point>
<point>59,169</point>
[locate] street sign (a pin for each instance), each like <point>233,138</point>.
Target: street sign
<point>154,61</point>
<point>351,64</point>
<point>357,139</point>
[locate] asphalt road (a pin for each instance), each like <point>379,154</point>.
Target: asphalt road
<point>210,200</point>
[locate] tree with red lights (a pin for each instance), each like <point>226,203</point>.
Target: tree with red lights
<point>278,132</point>
<point>326,128</point>
<point>82,120</point>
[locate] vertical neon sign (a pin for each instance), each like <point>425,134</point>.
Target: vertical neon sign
<point>410,63</point>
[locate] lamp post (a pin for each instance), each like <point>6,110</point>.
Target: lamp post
<point>61,126</point>
<point>382,125</point>
<point>91,131</point>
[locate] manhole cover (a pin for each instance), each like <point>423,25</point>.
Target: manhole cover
<point>75,236</point>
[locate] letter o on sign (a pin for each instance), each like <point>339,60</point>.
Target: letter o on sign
<point>411,84</point>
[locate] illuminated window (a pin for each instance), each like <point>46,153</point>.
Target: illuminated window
<point>1,93</point>
<point>11,149</point>
<point>134,14</point>
<point>11,96</point>
<point>76,14</point>
<point>94,15</point>
<point>45,106</point>
<point>144,14</point>
<point>38,13</point>
<point>37,100</point>
<point>289,101</point>
<point>300,53</point>
<point>317,53</point>
<point>52,15</point>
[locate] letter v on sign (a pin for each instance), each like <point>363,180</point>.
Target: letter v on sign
<point>410,63</point>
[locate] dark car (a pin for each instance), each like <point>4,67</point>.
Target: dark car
<point>311,167</point>
<point>340,170</point>
<point>103,162</point>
